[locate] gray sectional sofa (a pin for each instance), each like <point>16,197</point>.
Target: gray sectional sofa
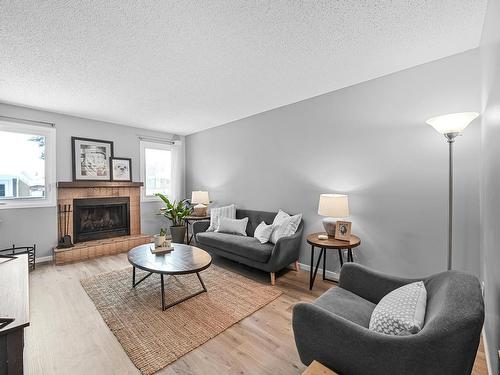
<point>248,250</point>
<point>334,329</point>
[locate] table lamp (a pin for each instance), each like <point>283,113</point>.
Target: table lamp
<point>200,199</point>
<point>451,126</point>
<point>333,207</point>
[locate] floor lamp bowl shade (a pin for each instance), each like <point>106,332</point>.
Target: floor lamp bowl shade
<point>453,123</point>
<point>201,199</point>
<point>332,206</point>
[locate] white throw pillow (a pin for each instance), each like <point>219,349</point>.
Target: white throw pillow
<point>280,217</point>
<point>263,232</point>
<point>401,312</point>
<point>284,225</point>
<point>233,226</point>
<point>217,213</point>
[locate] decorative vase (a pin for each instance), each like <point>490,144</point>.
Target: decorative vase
<point>160,240</point>
<point>178,233</point>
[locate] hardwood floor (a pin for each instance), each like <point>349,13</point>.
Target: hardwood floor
<point>68,336</point>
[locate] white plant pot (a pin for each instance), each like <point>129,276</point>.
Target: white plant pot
<point>160,240</point>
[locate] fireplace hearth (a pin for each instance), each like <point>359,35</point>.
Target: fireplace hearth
<point>100,218</point>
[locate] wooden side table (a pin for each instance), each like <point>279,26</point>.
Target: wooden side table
<point>330,243</point>
<point>192,218</point>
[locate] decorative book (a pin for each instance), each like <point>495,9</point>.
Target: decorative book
<point>161,250</point>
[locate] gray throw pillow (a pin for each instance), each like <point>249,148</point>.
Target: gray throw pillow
<point>217,213</point>
<point>401,312</point>
<point>233,226</point>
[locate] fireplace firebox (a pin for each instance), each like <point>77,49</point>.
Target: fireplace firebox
<point>99,218</point>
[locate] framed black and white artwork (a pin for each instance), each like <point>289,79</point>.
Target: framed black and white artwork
<point>121,169</point>
<point>91,159</point>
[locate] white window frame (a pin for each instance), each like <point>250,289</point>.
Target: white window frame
<point>49,200</point>
<point>159,146</point>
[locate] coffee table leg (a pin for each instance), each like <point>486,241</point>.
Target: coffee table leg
<point>204,290</point>
<point>133,277</point>
<point>162,293</point>
<point>201,281</point>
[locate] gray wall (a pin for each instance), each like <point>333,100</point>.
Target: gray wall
<point>370,141</point>
<point>39,225</point>
<point>490,188</point>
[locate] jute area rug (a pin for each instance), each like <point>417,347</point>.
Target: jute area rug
<point>154,338</point>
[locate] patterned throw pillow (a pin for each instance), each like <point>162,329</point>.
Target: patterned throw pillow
<point>401,312</point>
<point>217,213</point>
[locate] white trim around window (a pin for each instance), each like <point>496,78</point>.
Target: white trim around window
<point>49,198</point>
<point>151,145</point>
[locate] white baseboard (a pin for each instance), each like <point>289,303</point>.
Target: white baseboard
<point>487,354</point>
<point>307,267</point>
<point>48,258</point>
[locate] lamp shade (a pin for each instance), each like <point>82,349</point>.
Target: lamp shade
<point>333,205</point>
<point>200,197</point>
<point>453,122</point>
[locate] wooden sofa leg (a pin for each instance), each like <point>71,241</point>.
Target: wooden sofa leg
<point>273,278</point>
<point>297,268</point>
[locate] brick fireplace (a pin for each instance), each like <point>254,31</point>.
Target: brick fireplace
<point>105,218</point>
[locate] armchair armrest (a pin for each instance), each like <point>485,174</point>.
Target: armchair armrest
<point>200,226</point>
<point>367,283</point>
<point>349,348</point>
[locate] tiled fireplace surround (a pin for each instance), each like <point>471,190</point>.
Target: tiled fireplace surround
<point>67,191</point>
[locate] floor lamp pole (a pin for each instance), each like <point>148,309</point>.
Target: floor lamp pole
<point>451,126</point>
<point>451,140</point>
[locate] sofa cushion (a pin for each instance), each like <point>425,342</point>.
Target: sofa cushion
<point>347,305</point>
<point>248,247</point>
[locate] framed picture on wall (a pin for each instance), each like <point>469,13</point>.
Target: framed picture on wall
<point>343,230</point>
<point>121,169</point>
<point>91,159</point>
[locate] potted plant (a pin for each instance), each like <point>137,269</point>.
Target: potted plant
<point>175,212</point>
<point>160,239</point>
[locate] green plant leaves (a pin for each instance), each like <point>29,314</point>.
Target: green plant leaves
<point>175,211</point>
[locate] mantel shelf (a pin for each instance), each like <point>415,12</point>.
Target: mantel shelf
<point>98,184</point>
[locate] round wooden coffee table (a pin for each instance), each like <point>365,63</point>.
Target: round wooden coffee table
<point>184,259</point>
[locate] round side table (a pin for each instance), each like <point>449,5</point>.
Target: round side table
<point>330,243</point>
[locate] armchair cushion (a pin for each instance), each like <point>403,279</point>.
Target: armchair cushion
<point>346,305</point>
<point>248,247</point>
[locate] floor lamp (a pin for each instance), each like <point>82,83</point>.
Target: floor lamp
<point>451,126</point>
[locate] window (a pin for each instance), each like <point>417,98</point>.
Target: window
<point>156,169</point>
<point>27,165</point>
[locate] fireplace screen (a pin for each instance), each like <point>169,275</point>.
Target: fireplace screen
<point>98,218</point>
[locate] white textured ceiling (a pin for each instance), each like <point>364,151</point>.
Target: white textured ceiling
<point>183,66</point>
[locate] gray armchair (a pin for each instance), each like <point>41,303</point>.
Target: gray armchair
<point>334,329</point>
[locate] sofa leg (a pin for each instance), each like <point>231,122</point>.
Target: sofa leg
<point>273,278</point>
<point>297,268</point>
